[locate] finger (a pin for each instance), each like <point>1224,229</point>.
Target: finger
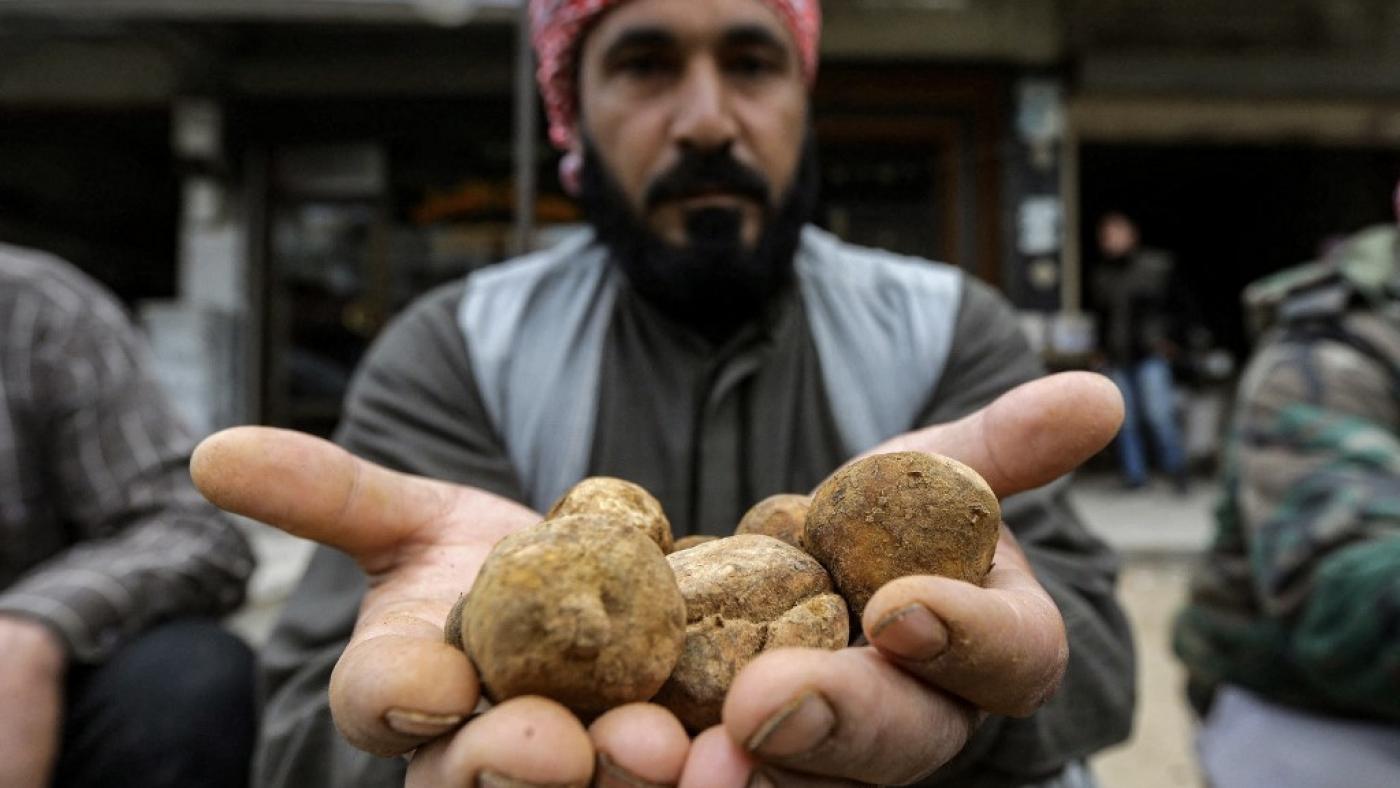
<point>1029,436</point>
<point>638,745</point>
<point>720,761</point>
<point>312,488</point>
<point>849,714</point>
<point>1001,647</point>
<point>715,761</point>
<point>524,741</point>
<point>398,684</point>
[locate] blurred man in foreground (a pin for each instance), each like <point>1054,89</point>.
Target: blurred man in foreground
<point>707,343</point>
<point>113,669</point>
<point>1292,635</point>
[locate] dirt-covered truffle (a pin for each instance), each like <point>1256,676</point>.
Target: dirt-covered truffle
<point>782,516</point>
<point>580,609</point>
<point>619,500</point>
<point>745,595</point>
<point>687,542</point>
<point>898,514</point>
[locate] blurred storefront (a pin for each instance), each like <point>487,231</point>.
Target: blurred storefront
<point>283,175</point>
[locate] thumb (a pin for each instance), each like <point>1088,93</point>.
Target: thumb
<point>1029,436</point>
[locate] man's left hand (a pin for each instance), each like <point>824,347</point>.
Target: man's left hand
<point>943,653</point>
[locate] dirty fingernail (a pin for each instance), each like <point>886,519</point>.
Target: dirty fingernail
<point>420,724</point>
<point>759,779</point>
<point>795,729</point>
<point>912,632</point>
<point>610,774</point>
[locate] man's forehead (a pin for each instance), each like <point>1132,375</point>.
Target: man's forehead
<point>688,21</point>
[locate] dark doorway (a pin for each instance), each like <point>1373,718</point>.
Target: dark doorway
<point>97,187</point>
<point>1232,214</point>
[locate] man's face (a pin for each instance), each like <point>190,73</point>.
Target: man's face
<point>1117,235</point>
<point>660,79</point>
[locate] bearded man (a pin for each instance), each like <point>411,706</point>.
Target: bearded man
<point>706,342</point>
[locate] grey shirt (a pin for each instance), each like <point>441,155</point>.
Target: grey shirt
<point>102,533</point>
<point>709,430</point>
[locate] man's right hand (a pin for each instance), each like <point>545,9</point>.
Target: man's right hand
<point>398,686</point>
<point>32,663</point>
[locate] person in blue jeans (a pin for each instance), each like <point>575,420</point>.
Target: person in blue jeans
<point>1140,308</point>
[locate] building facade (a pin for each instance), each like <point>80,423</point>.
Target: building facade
<point>275,179</point>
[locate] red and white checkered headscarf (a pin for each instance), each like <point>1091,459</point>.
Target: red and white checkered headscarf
<point>558,25</point>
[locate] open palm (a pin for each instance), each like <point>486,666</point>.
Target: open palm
<point>398,687</point>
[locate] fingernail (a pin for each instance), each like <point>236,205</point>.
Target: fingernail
<point>796,729</point>
<point>912,632</point>
<point>611,774</point>
<point>759,779</point>
<point>420,724</point>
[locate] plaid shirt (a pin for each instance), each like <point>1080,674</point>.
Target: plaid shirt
<point>102,533</point>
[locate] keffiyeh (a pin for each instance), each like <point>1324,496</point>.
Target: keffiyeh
<point>558,25</point>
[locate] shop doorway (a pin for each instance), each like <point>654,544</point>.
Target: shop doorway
<point>1233,213</point>
<point>97,187</point>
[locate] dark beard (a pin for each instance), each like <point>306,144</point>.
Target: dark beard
<point>712,284</point>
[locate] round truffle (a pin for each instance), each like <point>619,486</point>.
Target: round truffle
<point>687,542</point>
<point>619,500</point>
<point>898,514</point>
<point>745,595</point>
<point>580,609</point>
<point>782,516</point>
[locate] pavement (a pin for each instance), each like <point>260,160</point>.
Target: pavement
<point>1152,521</point>
<point>1157,531</point>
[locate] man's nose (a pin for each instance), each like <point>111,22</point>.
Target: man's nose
<point>703,120</point>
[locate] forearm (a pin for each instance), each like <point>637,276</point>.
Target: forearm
<point>181,561</point>
<point>142,545</point>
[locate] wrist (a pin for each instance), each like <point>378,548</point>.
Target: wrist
<point>32,642</point>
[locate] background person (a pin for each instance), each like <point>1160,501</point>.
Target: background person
<point>113,570</point>
<point>1136,295</point>
<point>1292,634</point>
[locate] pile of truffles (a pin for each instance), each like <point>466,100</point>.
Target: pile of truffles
<point>595,607</point>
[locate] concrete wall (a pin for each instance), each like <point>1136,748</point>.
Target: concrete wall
<point>76,72</point>
<point>136,65</point>
<point>1012,31</point>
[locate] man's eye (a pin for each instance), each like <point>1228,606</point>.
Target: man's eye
<point>643,66</point>
<point>752,65</point>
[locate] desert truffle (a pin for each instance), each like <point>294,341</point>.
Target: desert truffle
<point>745,595</point>
<point>782,516</point>
<point>580,609</point>
<point>618,500</point>
<point>905,513</point>
<point>687,542</point>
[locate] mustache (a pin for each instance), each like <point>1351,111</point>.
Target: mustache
<point>701,172</point>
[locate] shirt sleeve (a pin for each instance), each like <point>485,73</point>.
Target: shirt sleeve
<point>1318,464</point>
<point>413,406</point>
<point>147,546</point>
<point>1094,705</point>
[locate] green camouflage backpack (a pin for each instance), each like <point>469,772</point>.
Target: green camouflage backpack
<point>1222,635</point>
